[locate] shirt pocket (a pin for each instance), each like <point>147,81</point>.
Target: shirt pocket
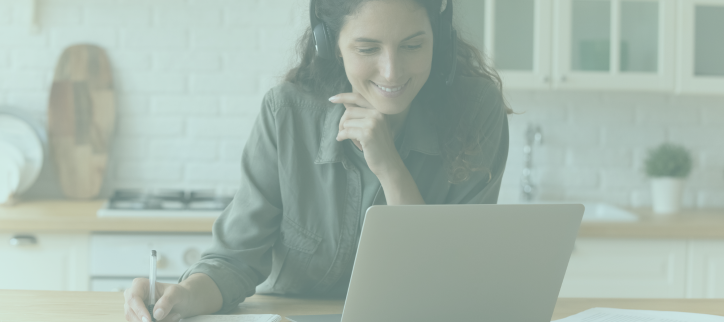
<point>298,245</point>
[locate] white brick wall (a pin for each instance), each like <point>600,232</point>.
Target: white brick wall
<point>595,145</point>
<point>190,75</point>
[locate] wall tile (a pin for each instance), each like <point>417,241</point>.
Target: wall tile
<point>267,13</point>
<point>152,82</point>
<point>131,149</point>
<point>633,136</point>
<point>226,128</point>
<point>185,105</point>
<point>213,172</point>
<point>667,115</point>
<point>599,157</point>
<point>184,149</point>
<point>240,84</point>
<point>187,61</point>
<point>132,105</point>
<point>106,38</point>
<point>185,16</point>
<point>224,38</point>
<point>150,171</point>
<point>572,135</point>
<point>231,150</point>
<point>136,14</point>
<point>713,115</point>
<point>248,106</point>
<point>53,15</point>
<point>126,60</point>
<point>23,80</point>
<point>150,126</point>
<point>156,38</point>
<point>706,137</point>
<point>21,37</point>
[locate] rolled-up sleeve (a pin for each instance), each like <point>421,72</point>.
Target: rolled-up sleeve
<point>483,187</point>
<point>240,257</point>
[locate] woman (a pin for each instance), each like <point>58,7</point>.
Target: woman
<point>393,133</point>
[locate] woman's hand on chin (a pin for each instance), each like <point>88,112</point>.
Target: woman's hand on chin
<point>370,132</point>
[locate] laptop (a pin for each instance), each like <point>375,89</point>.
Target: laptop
<point>459,263</point>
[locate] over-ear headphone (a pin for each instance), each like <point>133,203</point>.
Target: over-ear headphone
<point>446,33</point>
<point>322,39</point>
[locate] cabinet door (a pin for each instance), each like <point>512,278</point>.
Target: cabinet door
<point>614,44</point>
<point>626,268</point>
<point>126,255</point>
<point>57,262</point>
<point>701,46</point>
<point>706,269</point>
<point>514,34</point>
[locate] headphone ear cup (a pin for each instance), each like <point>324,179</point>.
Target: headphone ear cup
<point>322,42</point>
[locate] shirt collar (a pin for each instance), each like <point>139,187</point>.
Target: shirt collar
<point>419,134</point>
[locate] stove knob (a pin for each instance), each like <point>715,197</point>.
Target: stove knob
<point>191,256</point>
<point>161,262</point>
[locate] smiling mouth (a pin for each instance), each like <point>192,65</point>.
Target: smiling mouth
<point>390,89</point>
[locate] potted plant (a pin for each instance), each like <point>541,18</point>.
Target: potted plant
<point>667,165</point>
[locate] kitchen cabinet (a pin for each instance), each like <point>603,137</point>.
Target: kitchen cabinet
<point>44,261</point>
<point>701,46</point>
<point>614,44</point>
<point>641,45</point>
<point>515,35</point>
<point>626,268</point>
<point>705,269</point>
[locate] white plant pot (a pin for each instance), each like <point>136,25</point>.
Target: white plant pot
<point>666,195</point>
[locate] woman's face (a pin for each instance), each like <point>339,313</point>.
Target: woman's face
<point>386,47</point>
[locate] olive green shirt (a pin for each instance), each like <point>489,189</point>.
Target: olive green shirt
<point>294,223</point>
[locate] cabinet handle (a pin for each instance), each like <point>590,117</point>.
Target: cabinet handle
<point>161,262</point>
<point>191,256</point>
<point>23,240</point>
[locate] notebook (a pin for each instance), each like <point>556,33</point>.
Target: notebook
<point>235,318</point>
<point>601,314</point>
<point>315,318</point>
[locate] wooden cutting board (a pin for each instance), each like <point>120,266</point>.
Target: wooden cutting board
<point>81,118</point>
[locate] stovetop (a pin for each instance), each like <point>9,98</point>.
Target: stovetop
<point>165,203</point>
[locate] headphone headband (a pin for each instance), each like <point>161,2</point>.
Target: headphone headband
<point>448,12</point>
<point>313,14</point>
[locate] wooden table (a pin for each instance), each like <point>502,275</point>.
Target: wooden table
<point>54,306</point>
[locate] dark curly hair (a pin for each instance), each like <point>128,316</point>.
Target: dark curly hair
<point>461,136</point>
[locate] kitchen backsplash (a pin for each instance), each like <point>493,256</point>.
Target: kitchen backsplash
<point>190,76</point>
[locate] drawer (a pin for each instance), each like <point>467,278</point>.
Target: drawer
<point>127,255</point>
<point>626,268</point>
<point>44,261</point>
<point>119,284</point>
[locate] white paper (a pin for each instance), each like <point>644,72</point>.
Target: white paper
<point>235,318</point>
<point>600,314</point>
